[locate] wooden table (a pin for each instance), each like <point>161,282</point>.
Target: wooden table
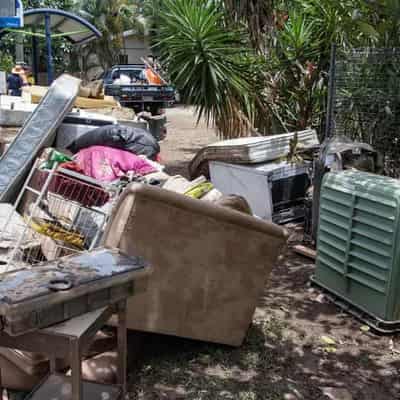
<point>68,340</point>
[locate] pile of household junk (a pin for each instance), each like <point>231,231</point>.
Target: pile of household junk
<point>59,178</point>
<point>281,175</point>
<point>69,188</point>
<point>337,193</point>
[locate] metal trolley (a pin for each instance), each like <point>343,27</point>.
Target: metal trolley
<point>63,212</point>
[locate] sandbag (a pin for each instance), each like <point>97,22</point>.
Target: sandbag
<point>136,140</point>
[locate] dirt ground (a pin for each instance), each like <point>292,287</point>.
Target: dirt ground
<point>185,137</point>
<point>299,346</point>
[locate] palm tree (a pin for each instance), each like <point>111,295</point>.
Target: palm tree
<point>112,18</point>
<point>207,63</point>
<point>261,64</point>
<point>258,15</point>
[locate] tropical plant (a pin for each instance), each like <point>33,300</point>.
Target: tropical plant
<point>209,64</point>
<point>300,54</point>
<point>344,22</point>
<point>112,18</point>
<point>58,4</point>
<point>7,49</point>
<point>6,62</point>
<point>384,15</point>
<point>296,85</point>
<point>281,58</point>
<point>257,15</point>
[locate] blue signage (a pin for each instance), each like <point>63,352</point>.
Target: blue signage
<point>15,20</point>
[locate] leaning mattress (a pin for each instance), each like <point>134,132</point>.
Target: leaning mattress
<point>38,132</point>
<point>250,150</point>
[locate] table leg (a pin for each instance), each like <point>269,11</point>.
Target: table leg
<point>53,364</point>
<point>122,346</point>
<point>1,387</point>
<point>76,370</point>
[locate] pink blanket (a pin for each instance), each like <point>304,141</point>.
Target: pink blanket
<point>107,164</point>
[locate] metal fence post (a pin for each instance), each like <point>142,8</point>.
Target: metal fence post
<point>50,72</point>
<point>331,93</point>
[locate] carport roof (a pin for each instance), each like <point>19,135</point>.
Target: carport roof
<point>63,24</point>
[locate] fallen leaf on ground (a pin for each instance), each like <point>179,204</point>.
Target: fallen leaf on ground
<point>330,349</point>
<point>328,340</point>
<point>392,348</point>
<point>320,299</point>
<point>336,393</point>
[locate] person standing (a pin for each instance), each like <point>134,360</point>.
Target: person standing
<point>15,81</point>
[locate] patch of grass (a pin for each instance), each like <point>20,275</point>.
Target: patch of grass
<point>247,396</point>
<point>274,328</point>
<point>364,358</point>
<point>212,372</point>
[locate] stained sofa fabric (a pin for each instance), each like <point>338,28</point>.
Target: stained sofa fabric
<point>210,263</point>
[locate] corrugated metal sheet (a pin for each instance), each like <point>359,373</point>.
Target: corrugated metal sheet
<point>358,248</point>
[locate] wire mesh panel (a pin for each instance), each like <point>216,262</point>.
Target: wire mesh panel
<point>59,215</point>
<point>366,101</point>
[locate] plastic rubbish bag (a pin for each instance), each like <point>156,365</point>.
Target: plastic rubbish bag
<point>135,140</point>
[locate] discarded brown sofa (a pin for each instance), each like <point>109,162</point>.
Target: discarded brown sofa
<point>210,263</point>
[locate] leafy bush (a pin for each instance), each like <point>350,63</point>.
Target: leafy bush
<point>264,64</point>
<point>209,64</point>
<point>6,62</point>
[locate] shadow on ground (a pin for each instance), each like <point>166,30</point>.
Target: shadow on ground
<point>282,357</point>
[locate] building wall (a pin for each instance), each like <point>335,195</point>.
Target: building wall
<point>136,47</point>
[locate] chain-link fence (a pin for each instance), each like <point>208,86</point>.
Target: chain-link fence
<point>366,101</point>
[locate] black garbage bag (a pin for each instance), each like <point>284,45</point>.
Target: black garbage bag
<point>136,140</point>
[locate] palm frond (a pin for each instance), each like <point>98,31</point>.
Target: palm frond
<point>207,64</point>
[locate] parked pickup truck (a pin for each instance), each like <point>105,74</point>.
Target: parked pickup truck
<point>127,83</point>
